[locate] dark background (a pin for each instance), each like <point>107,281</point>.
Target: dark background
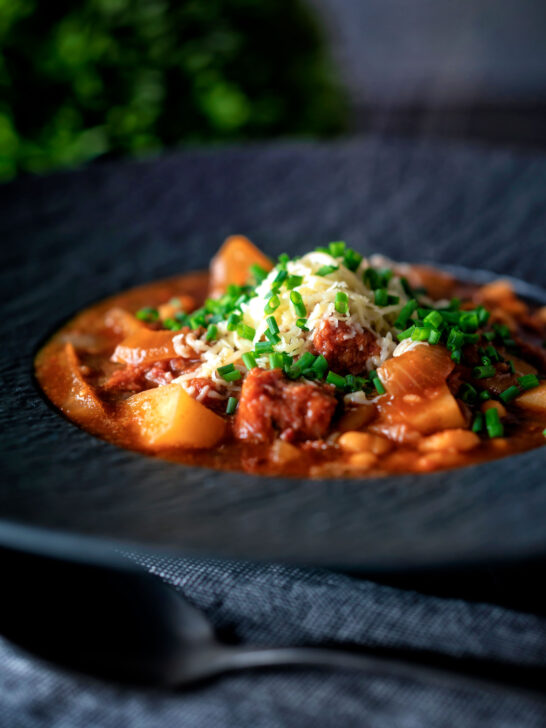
<point>84,80</point>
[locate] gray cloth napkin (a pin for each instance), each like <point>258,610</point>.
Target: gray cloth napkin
<point>272,604</point>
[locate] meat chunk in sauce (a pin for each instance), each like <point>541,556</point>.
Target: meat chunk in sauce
<point>345,349</point>
<point>270,404</point>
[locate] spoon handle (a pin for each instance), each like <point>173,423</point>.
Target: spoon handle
<point>242,658</point>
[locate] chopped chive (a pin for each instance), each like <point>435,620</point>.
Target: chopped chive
<point>212,332</point>
<point>434,336</point>
<point>263,347</point>
<point>324,270</point>
<point>405,313</point>
<point>405,334</point>
<point>468,321</point>
<point>342,302</point>
<point>249,360</point>
<point>231,405</point>
<point>305,361</point>
<point>283,259</point>
<point>281,276</point>
<point>232,376</point>
<point>301,323</point>
<point>455,303</point>
<point>226,369</point>
<point>467,393</point>
<point>484,372</point>
<point>337,249</point>
<point>350,382</point>
<point>272,324</point>
<point>492,353</point>
<point>147,314</point>
<point>233,321</point>
<point>297,302</point>
<point>511,366</point>
<point>320,365</point>
<point>420,333</point>
<point>258,272</point>
<point>486,361</point>
<point>246,332</point>
<point>477,424</point>
<point>172,324</point>
<point>322,249</point>
<point>483,315</point>
<point>273,304</point>
<point>457,355</point>
<point>455,339</point>
<point>309,374</point>
<point>293,282</point>
<point>484,396</point>
<point>276,360</point>
<point>528,381</point>
<point>381,297</point>
<point>493,424</point>
<point>371,278</point>
<point>270,336</point>
<point>434,319</point>
<point>378,384</point>
<point>335,379</point>
<point>509,394</point>
<point>489,335</point>
<point>352,259</point>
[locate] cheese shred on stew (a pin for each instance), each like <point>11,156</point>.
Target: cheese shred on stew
<point>324,365</point>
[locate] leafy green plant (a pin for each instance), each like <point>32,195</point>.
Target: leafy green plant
<point>85,78</point>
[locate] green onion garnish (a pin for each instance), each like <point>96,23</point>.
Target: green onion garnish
<point>229,373</point>
<point>231,405</point>
<point>324,270</point>
<point>434,319</point>
<point>381,297</point>
<point>509,394</point>
<point>212,332</point>
<point>172,324</point>
<point>335,379</point>
<point>226,369</point>
<point>233,321</point>
<point>263,347</point>
<point>467,393</point>
<point>246,332</point>
<point>270,336</point>
<point>484,372</point>
<point>320,365</point>
<point>272,324</point>
<point>484,396</point>
<point>258,272</point>
<point>434,336</point>
<point>457,355</point>
<point>147,314</point>
<point>352,259</point>
<point>281,276</point>
<point>293,282</point>
<point>468,321</point>
<point>477,424</point>
<point>337,249</point>
<point>273,304</point>
<point>305,361</point>
<point>405,314</point>
<point>493,424</point>
<point>405,334</point>
<point>420,333</point>
<point>276,360</point>
<point>342,302</point>
<point>283,259</point>
<point>297,302</point>
<point>528,381</point>
<point>301,323</point>
<point>249,360</point>
<point>377,383</point>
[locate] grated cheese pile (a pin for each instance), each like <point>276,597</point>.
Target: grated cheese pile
<point>318,295</point>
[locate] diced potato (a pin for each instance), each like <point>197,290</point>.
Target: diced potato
<point>533,399</point>
<point>145,347</point>
<point>363,460</point>
<point>79,399</point>
<point>438,411</point>
<point>493,404</point>
<point>168,417</point>
<point>232,262</point>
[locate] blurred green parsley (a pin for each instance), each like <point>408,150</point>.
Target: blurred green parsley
<point>81,79</point>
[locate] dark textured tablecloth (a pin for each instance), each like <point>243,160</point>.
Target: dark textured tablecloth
<point>277,604</point>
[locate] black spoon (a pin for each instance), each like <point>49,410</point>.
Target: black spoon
<point>121,622</point>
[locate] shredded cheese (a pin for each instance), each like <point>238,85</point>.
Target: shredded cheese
<point>318,295</point>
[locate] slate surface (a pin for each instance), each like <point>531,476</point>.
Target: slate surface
<point>73,238</point>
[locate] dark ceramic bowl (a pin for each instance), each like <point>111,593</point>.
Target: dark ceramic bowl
<point>75,238</point>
